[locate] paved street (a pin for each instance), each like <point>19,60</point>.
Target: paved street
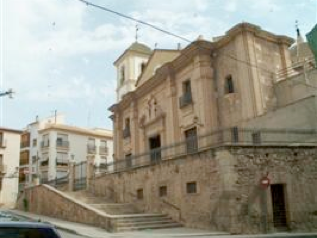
<point>69,235</point>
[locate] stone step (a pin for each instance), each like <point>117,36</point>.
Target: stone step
<point>144,227</point>
<point>144,223</point>
<point>140,217</point>
<point>117,209</point>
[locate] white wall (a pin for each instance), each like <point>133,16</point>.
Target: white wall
<point>77,148</point>
<point>11,158</point>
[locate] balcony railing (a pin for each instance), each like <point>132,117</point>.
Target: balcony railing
<point>45,144</point>
<point>62,144</point>
<point>126,132</point>
<point>91,149</point>
<point>103,150</point>
<point>25,144</point>
<point>185,100</point>
<point>227,137</point>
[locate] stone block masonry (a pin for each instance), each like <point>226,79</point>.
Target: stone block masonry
<point>221,188</point>
<point>45,200</point>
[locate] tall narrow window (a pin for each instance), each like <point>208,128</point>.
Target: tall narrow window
<point>186,98</point>
<point>126,130</point>
<point>229,86</point>
<point>122,75</point>
<point>128,159</point>
<point>234,134</point>
<point>191,140</point>
<point>155,148</point>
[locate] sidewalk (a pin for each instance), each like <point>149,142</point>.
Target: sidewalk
<point>95,232</point>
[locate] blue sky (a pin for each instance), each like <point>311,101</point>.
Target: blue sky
<point>59,54</point>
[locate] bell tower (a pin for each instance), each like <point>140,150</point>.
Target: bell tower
<point>129,67</point>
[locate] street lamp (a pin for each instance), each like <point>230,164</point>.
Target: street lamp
<point>9,93</point>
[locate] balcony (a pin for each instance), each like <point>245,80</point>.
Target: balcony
<point>62,144</point>
<point>185,100</point>
<point>3,168</point>
<point>24,144</point>
<point>45,144</point>
<point>126,132</point>
<point>103,150</point>
<point>91,149</point>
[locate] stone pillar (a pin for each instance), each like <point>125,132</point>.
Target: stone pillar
<point>71,177</point>
<point>90,171</point>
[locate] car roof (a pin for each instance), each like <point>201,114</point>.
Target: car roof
<point>25,225</point>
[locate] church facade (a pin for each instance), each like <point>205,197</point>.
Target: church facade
<point>218,135</point>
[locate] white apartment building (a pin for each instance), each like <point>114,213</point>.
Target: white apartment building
<point>30,148</point>
<point>48,146</point>
<point>9,165</point>
<point>61,144</point>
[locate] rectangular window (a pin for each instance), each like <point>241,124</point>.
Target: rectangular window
<point>186,98</point>
<point>62,140</point>
<point>191,140</point>
<point>163,191</point>
<point>187,87</point>
<point>103,149</point>
<point>1,140</point>
<point>191,187</point>
<point>62,159</point>
<point>45,142</point>
<point>234,134</point>
<point>126,130</point>
<point>34,142</point>
<point>139,194</point>
<point>128,159</point>
<point>25,140</point>
<point>155,148</point>
<point>91,147</point>
<point>256,137</point>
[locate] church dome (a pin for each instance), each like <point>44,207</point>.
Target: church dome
<point>140,48</point>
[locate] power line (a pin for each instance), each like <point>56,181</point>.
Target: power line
<point>169,33</point>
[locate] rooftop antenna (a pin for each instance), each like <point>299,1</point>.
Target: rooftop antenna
<point>136,32</point>
<point>297,28</point>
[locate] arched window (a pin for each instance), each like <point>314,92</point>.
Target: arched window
<point>122,75</point>
<point>229,86</point>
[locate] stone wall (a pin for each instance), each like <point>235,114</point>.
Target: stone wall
<point>47,201</point>
<point>229,196</point>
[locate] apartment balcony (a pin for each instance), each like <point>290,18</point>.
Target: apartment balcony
<point>103,150</point>
<point>185,100</point>
<point>62,144</point>
<point>25,144</point>
<point>126,132</point>
<point>3,168</point>
<point>45,144</point>
<point>91,149</point>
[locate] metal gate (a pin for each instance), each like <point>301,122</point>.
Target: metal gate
<point>80,176</point>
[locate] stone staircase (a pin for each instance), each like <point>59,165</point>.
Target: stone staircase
<point>125,216</point>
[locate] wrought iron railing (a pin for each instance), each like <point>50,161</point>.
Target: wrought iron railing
<point>103,150</point>
<point>56,182</point>
<point>91,149</point>
<point>45,144</point>
<point>62,143</point>
<point>226,137</point>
